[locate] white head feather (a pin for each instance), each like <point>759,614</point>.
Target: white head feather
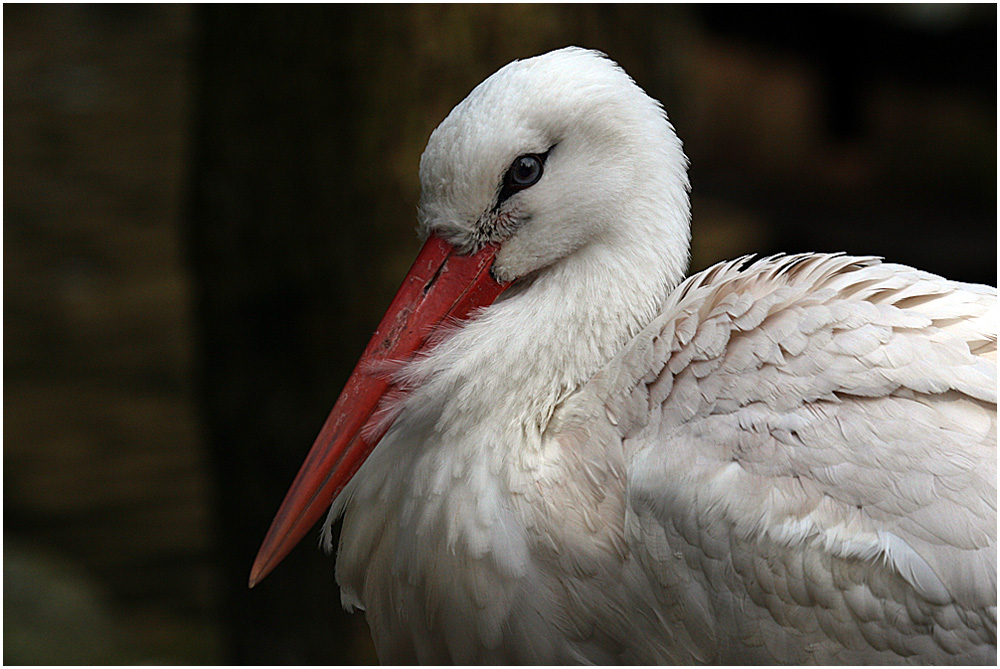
<point>615,161</point>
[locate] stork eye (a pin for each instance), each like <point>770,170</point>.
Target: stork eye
<point>525,171</point>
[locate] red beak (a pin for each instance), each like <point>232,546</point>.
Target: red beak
<point>441,286</point>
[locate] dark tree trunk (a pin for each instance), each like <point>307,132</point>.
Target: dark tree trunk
<point>281,244</point>
<point>309,124</point>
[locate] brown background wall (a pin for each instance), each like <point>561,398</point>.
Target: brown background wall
<point>207,209</point>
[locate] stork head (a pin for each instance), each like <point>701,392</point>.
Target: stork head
<point>549,154</point>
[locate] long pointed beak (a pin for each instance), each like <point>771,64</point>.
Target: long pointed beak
<point>441,286</point>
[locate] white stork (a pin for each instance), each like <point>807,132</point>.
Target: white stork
<point>582,458</point>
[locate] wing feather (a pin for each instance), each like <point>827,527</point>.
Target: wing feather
<point>811,452</point>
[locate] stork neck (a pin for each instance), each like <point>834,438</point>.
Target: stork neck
<point>545,339</point>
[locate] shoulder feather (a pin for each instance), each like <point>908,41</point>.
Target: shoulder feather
<point>826,408</point>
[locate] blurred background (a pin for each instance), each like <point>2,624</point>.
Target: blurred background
<point>207,209</point>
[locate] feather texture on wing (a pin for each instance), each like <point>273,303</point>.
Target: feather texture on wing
<point>811,452</point>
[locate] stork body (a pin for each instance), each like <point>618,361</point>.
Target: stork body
<point>791,460</point>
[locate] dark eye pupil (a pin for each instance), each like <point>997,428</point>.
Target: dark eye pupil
<point>525,171</point>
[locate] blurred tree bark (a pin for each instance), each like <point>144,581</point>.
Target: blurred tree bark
<point>277,174</point>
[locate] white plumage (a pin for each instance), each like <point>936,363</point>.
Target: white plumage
<point>787,460</point>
